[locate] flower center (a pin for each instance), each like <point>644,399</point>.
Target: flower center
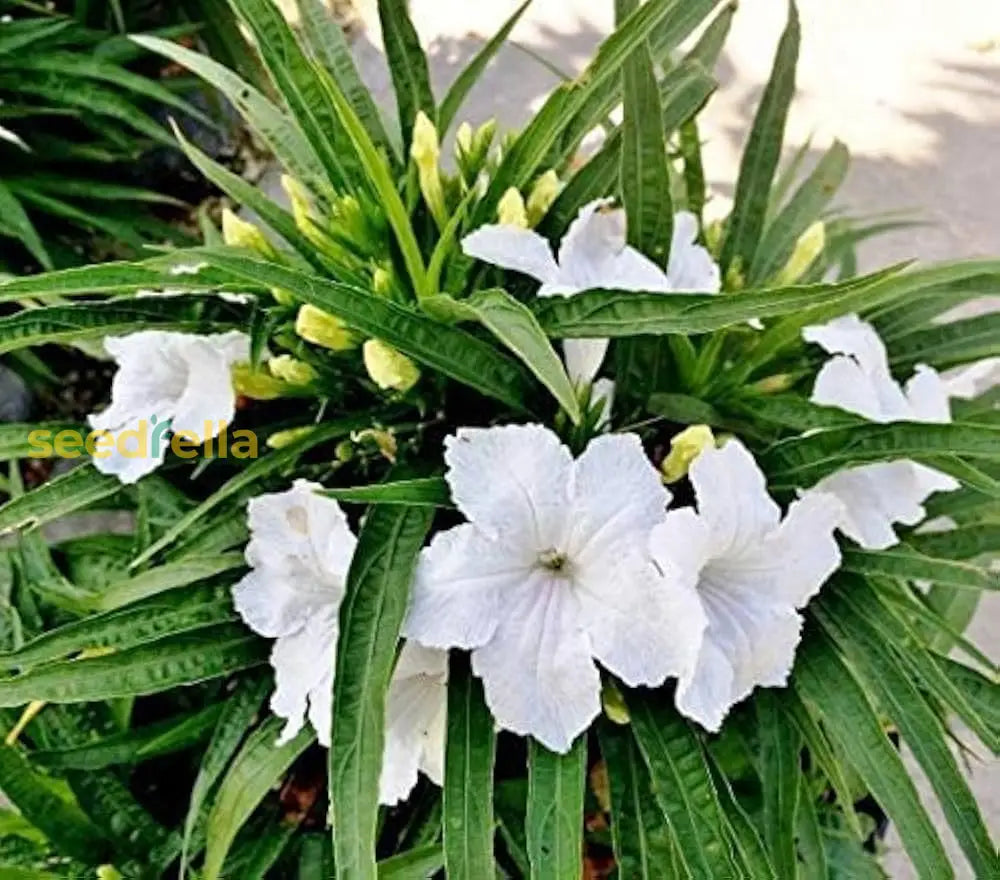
<point>555,561</point>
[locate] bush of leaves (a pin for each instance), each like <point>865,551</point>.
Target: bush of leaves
<point>583,534</point>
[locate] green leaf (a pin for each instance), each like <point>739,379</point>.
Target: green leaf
<point>880,673</point>
<point>645,848</point>
<point>65,494</point>
<point>324,38</point>
<point>416,864</point>
<point>261,469</point>
<point>713,39</point>
<point>982,692</point>
<point>252,197</point>
<point>16,442</point>
<point>517,328</point>
<point>802,210</point>
<point>780,772</point>
<point>157,618</point>
<point>793,412</point>
<point>61,821</point>
<point>554,821</point>
<point>136,745</point>
<point>183,659</point>
<point>683,787</point>
<point>906,563</point>
<point>617,313</point>
<point>449,350</point>
<point>762,154</point>
<point>94,320</point>
<point>802,461</point>
<point>468,777</point>
<point>238,714</point>
<point>370,619</point>
<point>535,144</point>
<point>165,577</point>
<point>460,88</point>
<point>281,135</point>
<point>966,542</point>
<point>17,223</point>
<point>949,345</point>
<point>831,691</point>
<point>259,765</point>
<point>418,492</point>
<point>407,65</point>
<point>645,173</point>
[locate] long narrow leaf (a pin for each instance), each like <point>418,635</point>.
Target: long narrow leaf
<point>554,821</point>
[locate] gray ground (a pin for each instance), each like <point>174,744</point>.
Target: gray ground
<point>912,87</point>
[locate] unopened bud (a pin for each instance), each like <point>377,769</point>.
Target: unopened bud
<point>685,447</point>
<point>511,210</point>
<point>463,138</point>
<point>388,368</point>
<point>425,152</point>
<point>316,326</point>
<point>281,439</point>
<point>291,370</point>
<point>257,384</point>
<point>542,195</point>
<point>808,247</point>
<point>237,232</point>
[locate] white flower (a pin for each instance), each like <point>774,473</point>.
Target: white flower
<point>857,379</point>
<point>300,551</point>
<point>593,254</point>
<point>752,571</point>
<point>239,298</point>
<point>164,377</point>
<point>551,573</point>
<point>972,380</point>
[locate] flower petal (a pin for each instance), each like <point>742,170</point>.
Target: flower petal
<point>144,450</point>
<point>790,564</point>
<point>927,395</point>
<point>617,496</point>
<point>537,672</point>
<point>514,248</point>
<point>849,335</point>
<point>300,550</point>
<point>584,358</point>
<point>844,383</point>
<point>968,382</point>
<point>303,664</point>
<point>745,646</point>
<point>732,497</point>
<point>875,496</point>
<point>460,578</point>
<point>208,401</point>
<point>416,712</point>
<point>602,394</point>
<point>691,267</point>
<point>511,481</point>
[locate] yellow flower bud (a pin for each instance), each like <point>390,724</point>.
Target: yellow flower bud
<point>685,447</point>
<point>283,297</point>
<point>614,704</point>
<point>388,368</point>
<point>257,384</point>
<point>108,872</point>
<point>384,441</point>
<point>290,370</point>
<point>425,152</point>
<point>237,232</point>
<point>713,237</point>
<point>542,195</point>
<point>301,202</point>
<point>382,281</point>
<point>281,439</point>
<point>463,138</point>
<point>511,210</point>
<point>775,384</point>
<point>808,247</point>
<point>316,326</point>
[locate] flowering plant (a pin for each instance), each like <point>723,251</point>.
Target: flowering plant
<point>574,503</point>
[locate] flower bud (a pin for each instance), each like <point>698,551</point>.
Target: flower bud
<point>388,368</point>
<point>542,195</point>
<point>425,152</point>
<point>463,138</point>
<point>685,447</point>
<point>511,210</point>
<point>384,440</point>
<point>237,232</point>
<point>257,384</point>
<point>281,439</point>
<point>808,247</point>
<point>301,202</point>
<point>290,370</point>
<point>382,281</point>
<point>316,326</point>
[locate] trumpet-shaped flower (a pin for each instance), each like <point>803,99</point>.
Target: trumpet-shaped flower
<point>299,552</point>
<point>752,571</point>
<point>857,379</point>
<point>178,379</point>
<point>593,254</point>
<point>551,573</point>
